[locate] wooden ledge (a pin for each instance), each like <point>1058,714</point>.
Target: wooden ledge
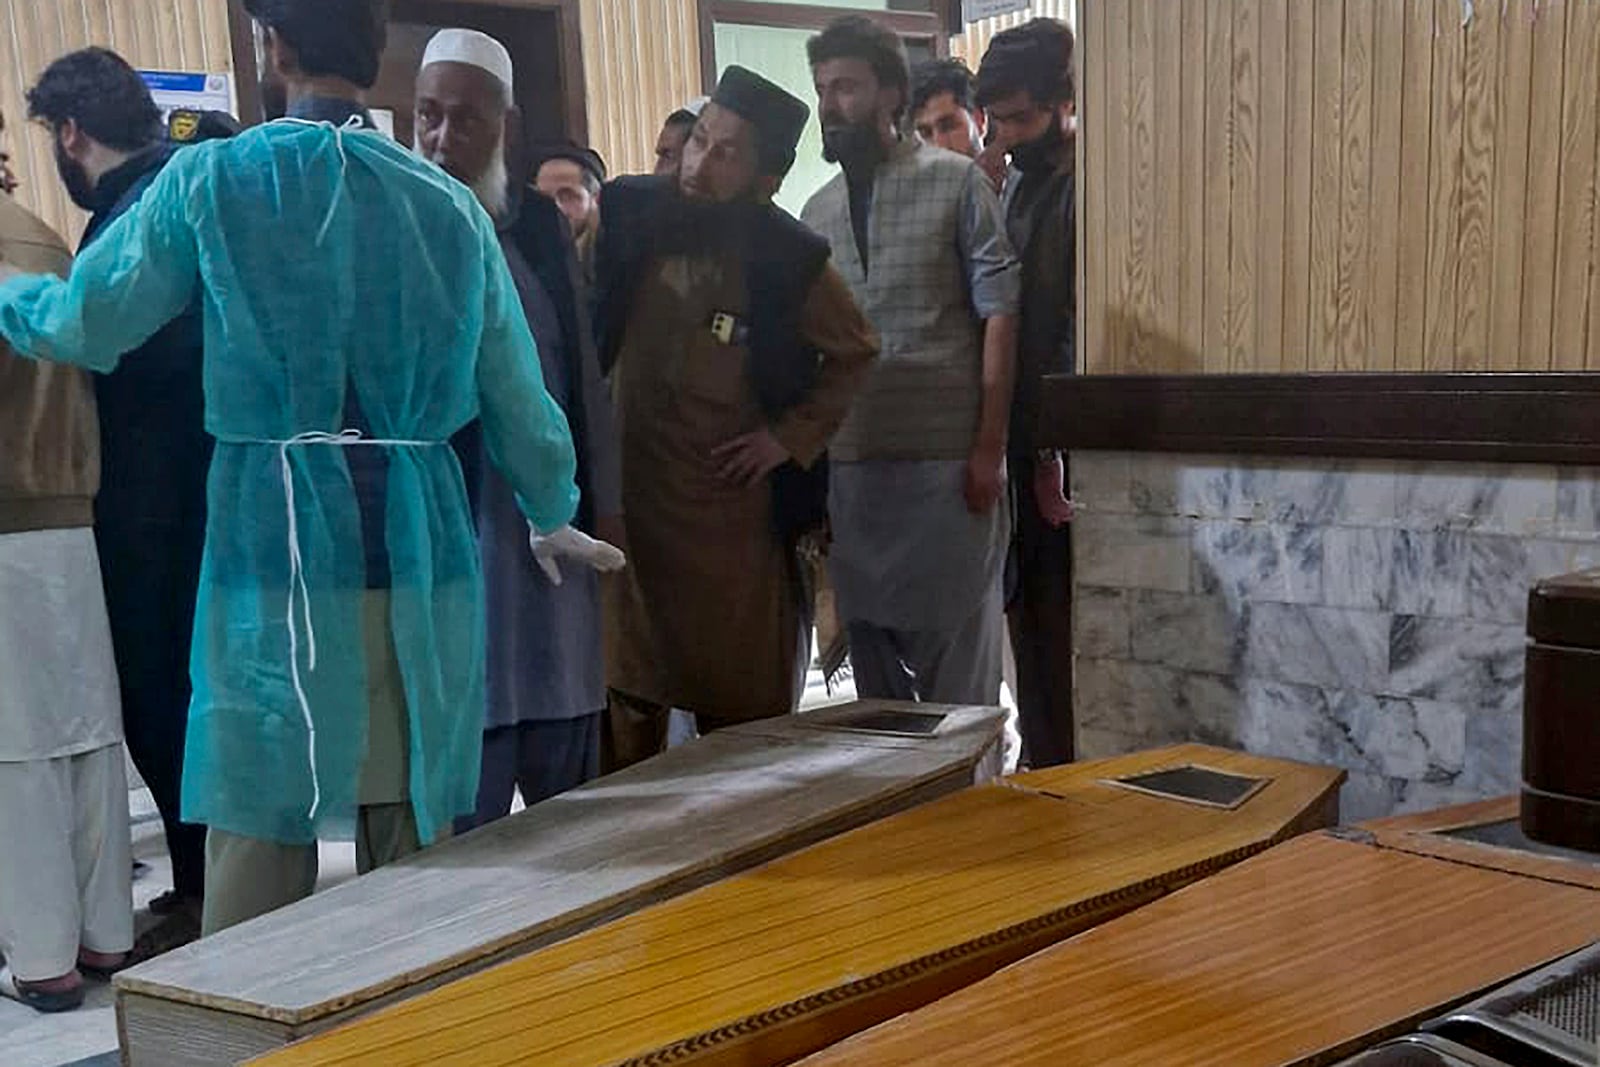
<point>1498,418</point>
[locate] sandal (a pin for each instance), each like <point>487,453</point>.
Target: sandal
<point>38,999</point>
<point>104,974</point>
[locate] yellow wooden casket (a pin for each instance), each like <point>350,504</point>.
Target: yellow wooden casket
<point>1297,958</point>
<point>775,963</point>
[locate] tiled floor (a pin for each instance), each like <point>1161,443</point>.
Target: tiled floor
<point>88,1036</point>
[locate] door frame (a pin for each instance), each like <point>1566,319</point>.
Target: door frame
<point>575,106</point>
<point>800,16</point>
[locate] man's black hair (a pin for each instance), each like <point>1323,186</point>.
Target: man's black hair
<point>682,117</point>
<point>330,38</point>
<point>939,76</point>
<point>99,91</point>
<point>1035,58</point>
<point>859,37</point>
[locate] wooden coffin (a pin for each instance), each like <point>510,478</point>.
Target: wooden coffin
<point>1298,957</point>
<point>778,962</point>
<point>1488,833</point>
<point>1561,723</point>
<point>719,805</point>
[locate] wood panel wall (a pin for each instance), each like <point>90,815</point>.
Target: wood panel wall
<point>150,34</point>
<point>972,44</point>
<point>1340,185</point>
<point>641,60</point>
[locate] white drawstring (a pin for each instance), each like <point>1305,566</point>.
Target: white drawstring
<point>355,122</point>
<point>297,575</point>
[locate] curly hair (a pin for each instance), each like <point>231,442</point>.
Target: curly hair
<point>99,91</point>
<point>859,37</point>
<point>1035,58</point>
<point>331,38</point>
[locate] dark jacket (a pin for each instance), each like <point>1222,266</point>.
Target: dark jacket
<point>155,451</point>
<point>1041,218</point>
<point>782,261</point>
<point>541,233</point>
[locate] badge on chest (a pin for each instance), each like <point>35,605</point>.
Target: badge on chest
<point>729,328</point>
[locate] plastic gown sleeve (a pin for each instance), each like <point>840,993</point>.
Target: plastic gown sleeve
<point>524,428</point>
<point>140,275</point>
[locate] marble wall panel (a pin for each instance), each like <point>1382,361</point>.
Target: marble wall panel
<point>1100,622</point>
<point>1578,503</point>
<point>1099,482</point>
<point>1250,562</point>
<point>1191,633</point>
<point>1358,567</point>
<point>1131,552</point>
<point>1334,647</point>
<point>1368,615</point>
<point>1511,499</point>
<point>1493,765</point>
<point>1430,572</point>
<point>1155,704</point>
<point>1463,661</point>
<point>1502,569</point>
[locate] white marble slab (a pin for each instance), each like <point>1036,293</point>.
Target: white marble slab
<point>1132,552</point>
<point>1429,572</point>
<point>1516,499</point>
<point>1339,648</point>
<point>1250,562</point>
<point>1461,661</point>
<point>1191,633</point>
<point>1369,613</point>
<point>1101,624</point>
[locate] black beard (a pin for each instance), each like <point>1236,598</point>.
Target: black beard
<point>75,178</point>
<point>1041,154</point>
<point>691,227</point>
<point>851,143</point>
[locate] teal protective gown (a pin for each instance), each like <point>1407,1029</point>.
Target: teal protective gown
<point>323,257</point>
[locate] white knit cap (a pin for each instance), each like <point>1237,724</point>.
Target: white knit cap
<point>474,49</point>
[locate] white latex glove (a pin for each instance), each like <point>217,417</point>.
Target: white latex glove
<point>573,544</point>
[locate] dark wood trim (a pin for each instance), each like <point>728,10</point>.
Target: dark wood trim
<point>246,74</point>
<point>569,18</point>
<point>1508,418</point>
<point>816,16</point>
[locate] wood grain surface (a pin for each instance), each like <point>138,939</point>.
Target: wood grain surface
<point>721,804</point>
<point>783,960</point>
<point>1365,185</point>
<point>1290,959</point>
<point>1428,834</point>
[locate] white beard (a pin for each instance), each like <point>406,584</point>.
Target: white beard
<point>493,187</point>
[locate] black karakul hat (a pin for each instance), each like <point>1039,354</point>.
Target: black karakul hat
<point>776,113</point>
<point>572,152</point>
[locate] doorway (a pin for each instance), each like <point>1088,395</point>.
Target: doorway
<point>541,35</point>
<point>770,39</point>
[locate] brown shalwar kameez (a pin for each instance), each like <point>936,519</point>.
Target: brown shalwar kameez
<point>707,615</point>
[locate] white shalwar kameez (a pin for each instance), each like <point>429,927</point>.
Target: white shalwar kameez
<point>65,856</point>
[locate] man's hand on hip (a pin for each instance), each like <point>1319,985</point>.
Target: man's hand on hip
<point>746,460</point>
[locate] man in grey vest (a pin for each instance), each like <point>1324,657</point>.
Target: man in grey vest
<point>916,499</point>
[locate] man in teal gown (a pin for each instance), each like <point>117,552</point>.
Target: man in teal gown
<point>346,286</point>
